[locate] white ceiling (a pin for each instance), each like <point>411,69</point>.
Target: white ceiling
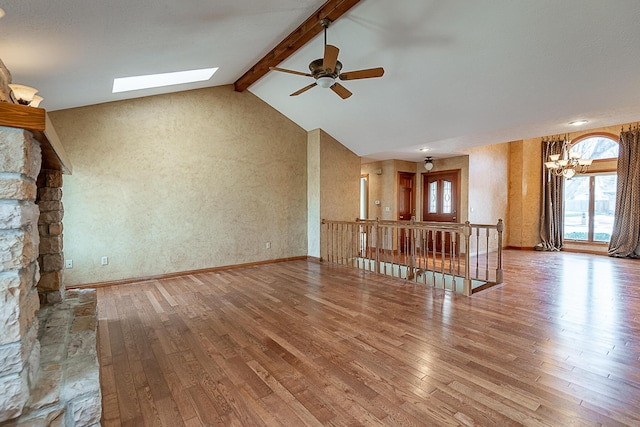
<point>458,73</point>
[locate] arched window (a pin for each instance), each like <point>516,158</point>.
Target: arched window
<point>590,198</point>
<point>597,147</point>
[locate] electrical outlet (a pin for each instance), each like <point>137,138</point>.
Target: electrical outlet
<point>68,263</point>
<point>104,260</point>
<point>268,245</point>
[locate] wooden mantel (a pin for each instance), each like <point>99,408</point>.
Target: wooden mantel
<point>37,122</point>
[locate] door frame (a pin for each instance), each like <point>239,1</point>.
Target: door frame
<point>458,173</point>
<point>414,197</point>
<point>404,239</point>
<point>458,190</point>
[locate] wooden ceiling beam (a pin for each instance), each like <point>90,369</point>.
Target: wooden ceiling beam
<point>332,9</point>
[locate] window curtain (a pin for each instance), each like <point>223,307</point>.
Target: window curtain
<point>552,212</point>
<point>625,239</point>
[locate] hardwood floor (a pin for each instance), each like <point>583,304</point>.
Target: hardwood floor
<point>302,343</point>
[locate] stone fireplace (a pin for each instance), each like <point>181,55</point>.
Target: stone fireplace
<point>49,373</point>
<point>20,160</point>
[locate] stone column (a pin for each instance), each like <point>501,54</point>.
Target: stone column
<point>20,161</point>
<point>51,259</point>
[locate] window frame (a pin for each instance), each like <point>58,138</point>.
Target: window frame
<point>598,167</point>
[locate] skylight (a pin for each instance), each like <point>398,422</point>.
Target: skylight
<point>125,84</point>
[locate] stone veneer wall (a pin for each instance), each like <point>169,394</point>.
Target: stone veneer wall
<point>51,259</point>
<point>20,160</point>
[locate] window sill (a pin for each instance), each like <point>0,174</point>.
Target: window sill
<point>599,248</point>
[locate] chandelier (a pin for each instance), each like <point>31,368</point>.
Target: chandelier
<point>568,163</point>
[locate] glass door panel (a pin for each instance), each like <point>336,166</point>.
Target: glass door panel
<point>576,208</point>
<point>604,207</point>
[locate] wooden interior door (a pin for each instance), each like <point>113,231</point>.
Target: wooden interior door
<point>406,205</point>
<point>441,201</point>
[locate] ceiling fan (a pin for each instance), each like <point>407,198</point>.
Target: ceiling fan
<point>327,69</point>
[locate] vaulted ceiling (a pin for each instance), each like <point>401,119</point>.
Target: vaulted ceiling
<point>458,73</point>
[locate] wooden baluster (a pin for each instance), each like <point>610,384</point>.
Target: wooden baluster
<point>450,238</point>
<point>385,232</point>
<point>376,237</point>
<point>323,240</point>
<point>349,246</point>
<point>334,244</point>
<point>499,272</point>
<point>354,245</point>
<point>394,237</point>
<point>328,242</point>
<point>443,237</point>
<point>452,260</point>
<point>434,254</point>
<point>477,256</point>
<point>419,251</point>
<point>338,241</point>
<point>364,247</point>
<point>370,255</point>
<point>458,254</point>
<point>486,263</point>
<point>344,244</point>
<point>414,253</point>
<point>466,285</point>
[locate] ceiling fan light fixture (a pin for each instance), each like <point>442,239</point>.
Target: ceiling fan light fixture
<point>325,81</point>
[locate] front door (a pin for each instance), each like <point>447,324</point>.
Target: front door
<point>406,207</point>
<point>441,201</point>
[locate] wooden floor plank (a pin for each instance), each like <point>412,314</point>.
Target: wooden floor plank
<point>307,343</point>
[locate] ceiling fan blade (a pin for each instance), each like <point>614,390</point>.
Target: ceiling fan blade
<point>330,58</point>
<point>284,70</point>
<point>342,91</point>
<point>304,89</point>
<point>362,74</point>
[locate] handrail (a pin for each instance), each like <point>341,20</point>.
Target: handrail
<point>428,252</point>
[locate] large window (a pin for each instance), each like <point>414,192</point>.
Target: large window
<point>590,199</point>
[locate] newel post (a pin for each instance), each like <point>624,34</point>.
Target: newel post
<point>466,284</point>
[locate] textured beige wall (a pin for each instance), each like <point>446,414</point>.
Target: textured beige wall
<point>488,190</point>
<point>384,187</point>
<point>381,188</point>
<point>183,181</point>
<point>333,183</point>
<point>516,199</point>
<point>339,180</point>
<point>488,183</point>
<point>313,193</point>
<point>525,187</point>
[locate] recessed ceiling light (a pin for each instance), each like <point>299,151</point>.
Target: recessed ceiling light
<point>125,84</point>
<point>578,122</point>
<point>424,149</point>
<point>1,12</point>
